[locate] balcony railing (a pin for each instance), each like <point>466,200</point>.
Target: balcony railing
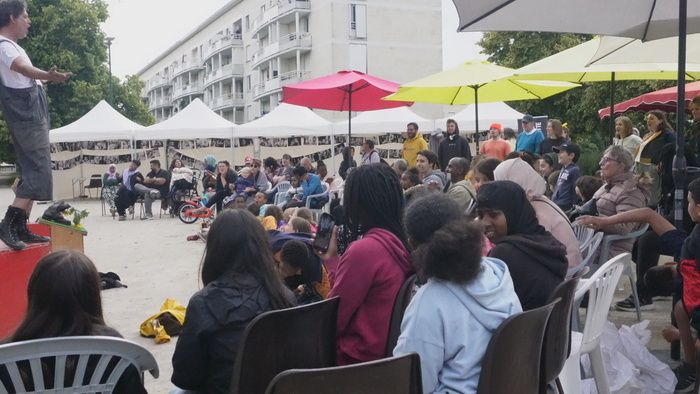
<point>277,9</point>
<point>180,91</point>
<point>228,100</point>
<point>226,71</point>
<point>185,67</point>
<point>160,102</point>
<point>295,76</point>
<point>266,87</point>
<point>157,82</point>
<point>294,40</point>
<point>223,42</point>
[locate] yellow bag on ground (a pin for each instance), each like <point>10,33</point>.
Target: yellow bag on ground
<point>166,323</point>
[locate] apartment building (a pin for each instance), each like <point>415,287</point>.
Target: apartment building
<point>238,60</point>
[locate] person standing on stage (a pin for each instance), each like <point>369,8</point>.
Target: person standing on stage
<point>26,113</point>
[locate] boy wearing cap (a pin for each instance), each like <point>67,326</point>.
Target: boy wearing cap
<point>565,191</point>
<point>496,146</point>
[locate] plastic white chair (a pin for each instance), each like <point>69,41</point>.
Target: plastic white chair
<point>629,270</point>
<point>588,253</point>
<point>584,235</point>
<point>282,189</point>
<point>105,348</point>
<point>326,207</point>
<point>600,288</point>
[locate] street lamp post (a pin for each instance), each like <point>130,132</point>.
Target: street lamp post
<point>109,40</point>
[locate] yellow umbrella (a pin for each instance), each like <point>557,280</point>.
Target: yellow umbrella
<point>572,65</point>
<point>476,82</point>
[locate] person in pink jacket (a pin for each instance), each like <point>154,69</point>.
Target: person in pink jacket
<point>549,215</point>
<point>375,265</point>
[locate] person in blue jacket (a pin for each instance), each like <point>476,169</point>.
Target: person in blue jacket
<point>309,184</point>
<point>530,139</point>
<point>450,319</point>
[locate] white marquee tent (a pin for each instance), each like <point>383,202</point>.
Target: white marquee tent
<point>497,112</point>
<point>286,120</point>
<point>101,123</point>
<point>194,121</point>
<point>391,120</point>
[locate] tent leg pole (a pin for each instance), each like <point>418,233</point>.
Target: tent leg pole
<point>679,162</point>
<point>476,118</point>
<point>612,103</point>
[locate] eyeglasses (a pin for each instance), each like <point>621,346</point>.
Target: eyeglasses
<point>607,159</point>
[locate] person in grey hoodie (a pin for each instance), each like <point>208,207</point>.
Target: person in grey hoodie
<point>450,319</point>
<point>429,172</point>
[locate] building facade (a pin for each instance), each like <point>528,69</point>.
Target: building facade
<point>238,60</point>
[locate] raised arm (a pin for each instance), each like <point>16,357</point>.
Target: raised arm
<point>640,215</point>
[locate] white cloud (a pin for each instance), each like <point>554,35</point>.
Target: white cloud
<point>143,29</point>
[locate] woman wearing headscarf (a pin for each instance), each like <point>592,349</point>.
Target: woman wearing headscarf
<point>549,215</point>
<point>536,260</point>
<point>110,184</point>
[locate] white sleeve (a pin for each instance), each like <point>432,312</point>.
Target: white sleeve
<point>8,53</point>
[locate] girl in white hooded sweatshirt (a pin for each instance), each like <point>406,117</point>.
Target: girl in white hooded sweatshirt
<point>549,215</point>
<point>450,319</point>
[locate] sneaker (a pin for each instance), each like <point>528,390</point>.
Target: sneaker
<point>686,378</point>
<point>122,218</point>
<point>147,217</point>
<point>627,305</point>
<point>155,194</point>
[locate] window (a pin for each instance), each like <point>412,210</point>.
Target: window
<point>358,21</point>
<point>247,23</point>
<point>247,83</point>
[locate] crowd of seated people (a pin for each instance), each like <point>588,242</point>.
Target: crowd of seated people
<point>484,237</point>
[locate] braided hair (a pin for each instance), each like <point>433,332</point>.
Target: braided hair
<point>373,198</point>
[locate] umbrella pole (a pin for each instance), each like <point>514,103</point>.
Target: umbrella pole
<point>612,104</point>
<point>348,160</point>
<point>476,117</point>
<point>679,163</point>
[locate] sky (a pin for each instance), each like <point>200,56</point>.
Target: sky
<point>140,38</point>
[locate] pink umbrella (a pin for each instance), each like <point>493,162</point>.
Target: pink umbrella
<point>664,99</point>
<point>346,90</point>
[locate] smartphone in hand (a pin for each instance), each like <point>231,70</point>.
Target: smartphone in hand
<point>324,231</point>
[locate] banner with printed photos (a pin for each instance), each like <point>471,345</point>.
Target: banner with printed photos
<point>187,161</point>
<point>60,165</point>
<point>200,143</point>
<point>91,145</point>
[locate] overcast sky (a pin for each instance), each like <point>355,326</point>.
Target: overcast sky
<point>143,29</point>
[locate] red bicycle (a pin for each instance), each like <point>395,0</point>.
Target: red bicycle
<point>189,212</point>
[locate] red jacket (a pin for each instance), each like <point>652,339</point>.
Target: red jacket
<point>369,276</point>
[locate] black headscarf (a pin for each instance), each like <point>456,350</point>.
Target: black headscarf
<point>510,198</point>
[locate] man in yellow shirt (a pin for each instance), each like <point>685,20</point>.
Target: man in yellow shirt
<point>413,144</point>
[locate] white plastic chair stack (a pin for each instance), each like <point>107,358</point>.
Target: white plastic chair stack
<point>326,207</point>
<point>600,288</point>
<point>584,235</point>
<point>60,349</point>
<point>589,253</point>
<point>282,189</point>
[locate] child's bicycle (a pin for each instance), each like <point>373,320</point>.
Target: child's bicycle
<point>186,211</point>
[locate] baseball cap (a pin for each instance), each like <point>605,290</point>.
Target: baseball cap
<point>527,118</point>
<point>496,126</point>
<point>569,147</point>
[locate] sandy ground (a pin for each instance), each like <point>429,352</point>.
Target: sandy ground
<point>156,261</point>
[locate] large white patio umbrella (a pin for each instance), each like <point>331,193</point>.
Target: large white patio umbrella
<point>641,19</point>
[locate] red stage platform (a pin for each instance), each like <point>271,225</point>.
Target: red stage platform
<point>15,269</point>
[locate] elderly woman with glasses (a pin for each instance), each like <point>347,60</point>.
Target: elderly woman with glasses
<point>622,191</point>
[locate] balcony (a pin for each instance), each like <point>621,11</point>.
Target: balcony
<point>293,77</point>
<point>227,71</point>
<point>227,100</point>
<point>221,43</point>
<point>180,69</point>
<point>277,11</point>
<point>157,82</point>
<point>285,43</point>
<point>165,101</point>
<point>266,88</point>
<point>187,90</point>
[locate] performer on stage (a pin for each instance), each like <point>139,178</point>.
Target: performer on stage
<point>26,113</point>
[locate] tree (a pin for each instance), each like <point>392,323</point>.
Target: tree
<point>67,34</point>
<point>578,107</point>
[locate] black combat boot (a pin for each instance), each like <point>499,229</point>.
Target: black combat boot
<point>24,234</point>
<point>8,228</point>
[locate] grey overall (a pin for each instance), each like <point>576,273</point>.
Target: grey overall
<point>26,113</point>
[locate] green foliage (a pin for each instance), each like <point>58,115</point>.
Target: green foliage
<point>67,34</point>
<point>577,107</point>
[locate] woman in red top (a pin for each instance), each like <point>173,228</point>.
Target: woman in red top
<point>373,268</point>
